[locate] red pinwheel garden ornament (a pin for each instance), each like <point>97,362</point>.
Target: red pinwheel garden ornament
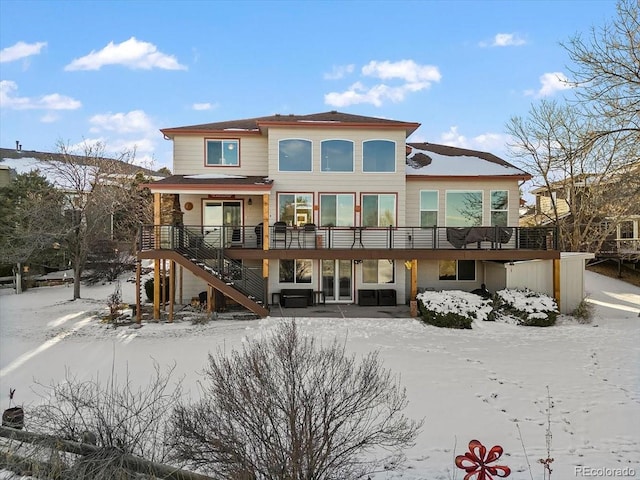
<point>476,462</point>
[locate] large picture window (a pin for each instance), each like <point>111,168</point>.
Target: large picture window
<point>464,209</point>
<point>295,271</point>
<point>336,210</point>
<point>428,208</point>
<point>499,208</point>
<point>457,270</point>
<point>336,156</point>
<point>378,210</point>
<point>222,153</point>
<point>378,271</point>
<point>378,156</point>
<point>295,208</point>
<point>294,155</point>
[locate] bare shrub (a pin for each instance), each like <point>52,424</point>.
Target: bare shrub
<point>118,418</point>
<point>285,407</point>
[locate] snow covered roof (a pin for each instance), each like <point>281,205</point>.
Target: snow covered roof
<point>433,160</point>
<point>22,161</point>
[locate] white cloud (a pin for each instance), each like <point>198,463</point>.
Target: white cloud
<point>453,138</point>
<point>134,121</point>
<point>414,78</point>
<point>21,50</point>
<point>376,95</point>
<point>406,70</point>
<point>486,142</point>
<point>53,101</point>
<point>49,118</point>
<point>505,40</point>
<point>126,132</point>
<point>339,71</point>
<point>551,83</point>
<point>131,53</point>
<point>204,106</point>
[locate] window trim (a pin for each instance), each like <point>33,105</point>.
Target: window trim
<point>395,208</point>
<point>492,210</point>
<point>353,155</point>
<point>310,155</point>
<point>338,194</point>
<point>457,279</point>
<point>420,209</point>
<point>295,269</point>
<point>620,231</point>
<point>221,140</point>
<point>446,206</point>
<point>378,282</point>
<point>295,205</point>
<point>395,156</point>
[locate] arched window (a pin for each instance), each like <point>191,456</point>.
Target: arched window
<point>294,155</point>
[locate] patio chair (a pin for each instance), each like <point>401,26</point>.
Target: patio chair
<point>280,234</point>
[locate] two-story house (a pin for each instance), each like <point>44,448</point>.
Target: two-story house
<point>337,205</point>
<point>598,213</point>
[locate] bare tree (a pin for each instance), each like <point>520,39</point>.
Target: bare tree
<point>287,408</point>
<point>586,182</point>
<point>606,72</point>
<point>103,201</point>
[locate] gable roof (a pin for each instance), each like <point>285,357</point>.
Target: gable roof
<point>259,124</point>
<point>441,161</point>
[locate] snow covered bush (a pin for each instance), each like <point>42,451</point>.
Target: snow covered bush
<point>525,307</point>
<point>452,308</point>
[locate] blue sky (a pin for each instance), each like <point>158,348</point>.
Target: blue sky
<point>118,71</point>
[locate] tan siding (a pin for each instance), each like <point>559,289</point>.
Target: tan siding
<point>355,182</point>
<point>189,156</point>
<point>442,186</point>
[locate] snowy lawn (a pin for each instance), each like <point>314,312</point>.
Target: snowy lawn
<point>480,384</point>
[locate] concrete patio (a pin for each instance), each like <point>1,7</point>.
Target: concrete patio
<point>341,310</point>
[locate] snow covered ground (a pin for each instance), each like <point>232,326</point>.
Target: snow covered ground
<point>488,383</point>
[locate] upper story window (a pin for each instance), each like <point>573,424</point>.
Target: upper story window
<point>499,208</point>
<point>336,156</point>
<point>222,153</point>
<point>378,156</point>
<point>428,208</point>
<point>294,155</point>
<point>378,210</point>
<point>295,208</point>
<point>464,209</point>
<point>336,209</point>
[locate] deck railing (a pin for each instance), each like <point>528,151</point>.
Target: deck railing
<point>218,238</point>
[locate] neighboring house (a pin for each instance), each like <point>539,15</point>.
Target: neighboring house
<point>610,233</point>
<point>17,161</point>
<point>336,208</point>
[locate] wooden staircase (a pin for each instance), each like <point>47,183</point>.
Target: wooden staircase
<point>225,286</point>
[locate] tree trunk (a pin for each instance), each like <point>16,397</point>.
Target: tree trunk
<point>77,274</point>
